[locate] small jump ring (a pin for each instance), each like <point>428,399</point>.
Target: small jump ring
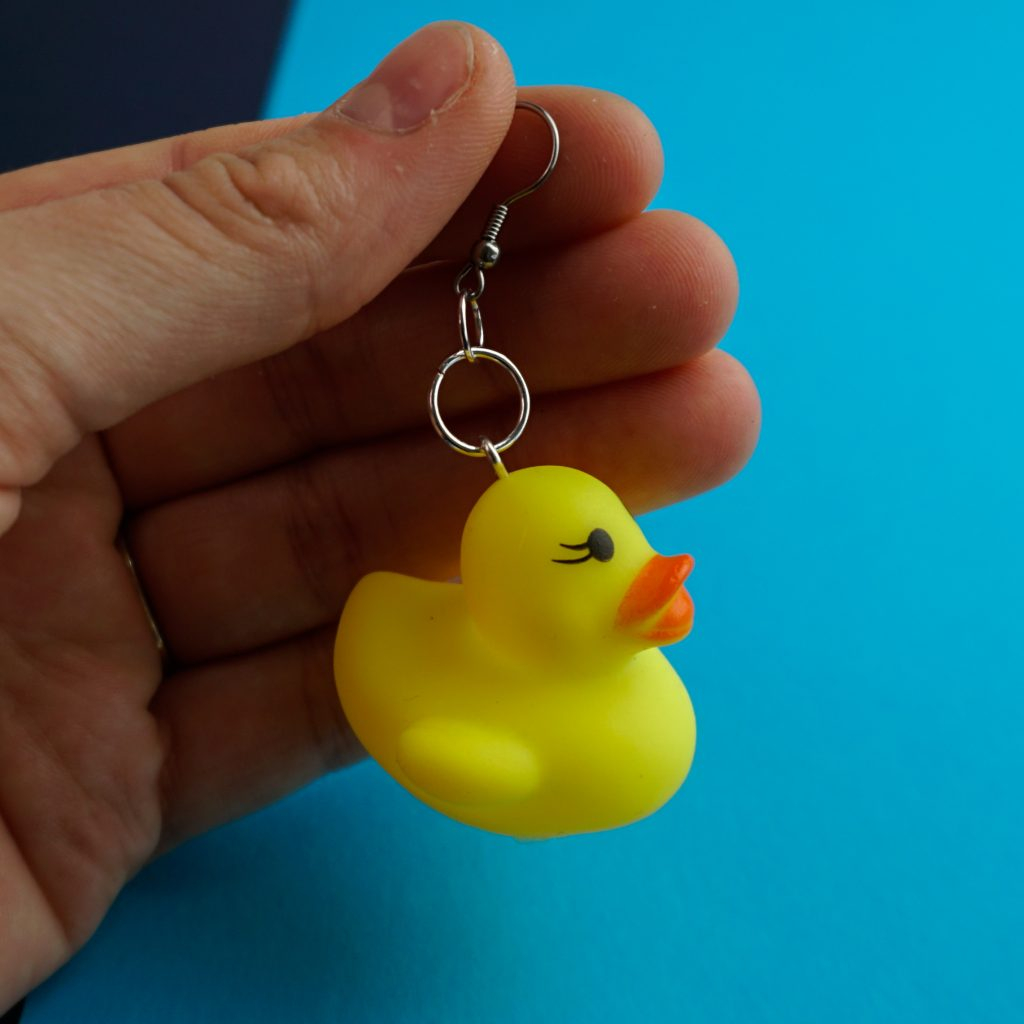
<point>469,346</point>
<point>478,290</point>
<point>456,443</point>
<point>494,457</point>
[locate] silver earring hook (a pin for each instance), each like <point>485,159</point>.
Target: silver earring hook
<point>552,160</point>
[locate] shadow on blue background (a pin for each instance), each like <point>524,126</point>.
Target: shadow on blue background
<point>848,847</point>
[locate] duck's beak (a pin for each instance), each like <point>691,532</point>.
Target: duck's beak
<point>657,607</point>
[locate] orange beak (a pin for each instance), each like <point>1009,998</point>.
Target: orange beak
<point>658,591</point>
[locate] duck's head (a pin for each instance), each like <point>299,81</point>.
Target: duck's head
<point>554,565</point>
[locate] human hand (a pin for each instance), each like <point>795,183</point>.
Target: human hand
<point>221,344</point>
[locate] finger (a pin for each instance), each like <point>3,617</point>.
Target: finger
<point>609,169</point>
<point>111,299</point>
<point>60,179</point>
<point>245,731</point>
<point>651,294</point>
<point>275,555</point>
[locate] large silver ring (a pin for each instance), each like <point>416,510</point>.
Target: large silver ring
<point>478,450</point>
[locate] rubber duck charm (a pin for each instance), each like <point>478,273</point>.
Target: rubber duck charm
<point>531,698</point>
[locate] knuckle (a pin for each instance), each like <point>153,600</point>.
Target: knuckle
<point>267,198</point>
<point>271,183</point>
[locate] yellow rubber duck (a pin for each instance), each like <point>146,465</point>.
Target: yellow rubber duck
<point>530,699</point>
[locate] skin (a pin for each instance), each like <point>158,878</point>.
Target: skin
<point>221,343</point>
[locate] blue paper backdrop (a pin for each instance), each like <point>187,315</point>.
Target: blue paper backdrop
<point>849,845</point>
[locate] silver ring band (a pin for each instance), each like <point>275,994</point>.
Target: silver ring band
<point>158,637</point>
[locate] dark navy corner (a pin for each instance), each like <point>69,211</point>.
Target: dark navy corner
<point>76,77</point>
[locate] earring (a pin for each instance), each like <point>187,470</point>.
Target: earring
<point>530,698</point>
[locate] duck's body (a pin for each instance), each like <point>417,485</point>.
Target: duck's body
<point>524,739</point>
<point>504,746</point>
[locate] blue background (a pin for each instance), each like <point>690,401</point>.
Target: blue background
<point>849,844</point>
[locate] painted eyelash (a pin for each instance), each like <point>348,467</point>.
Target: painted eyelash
<point>585,546</point>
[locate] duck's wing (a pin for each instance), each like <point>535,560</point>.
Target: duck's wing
<point>466,763</point>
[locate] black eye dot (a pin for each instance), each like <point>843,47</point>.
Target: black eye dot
<point>601,545</point>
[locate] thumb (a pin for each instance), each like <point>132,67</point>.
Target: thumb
<point>112,299</point>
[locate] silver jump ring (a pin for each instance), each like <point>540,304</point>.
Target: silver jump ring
<point>456,443</point>
<point>469,345</point>
<point>494,457</point>
<point>478,289</point>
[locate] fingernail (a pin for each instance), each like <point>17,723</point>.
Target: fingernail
<point>421,77</point>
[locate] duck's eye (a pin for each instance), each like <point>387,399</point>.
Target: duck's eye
<point>598,545</point>
<point>601,545</point>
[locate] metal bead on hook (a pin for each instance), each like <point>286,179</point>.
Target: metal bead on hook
<point>485,254</point>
